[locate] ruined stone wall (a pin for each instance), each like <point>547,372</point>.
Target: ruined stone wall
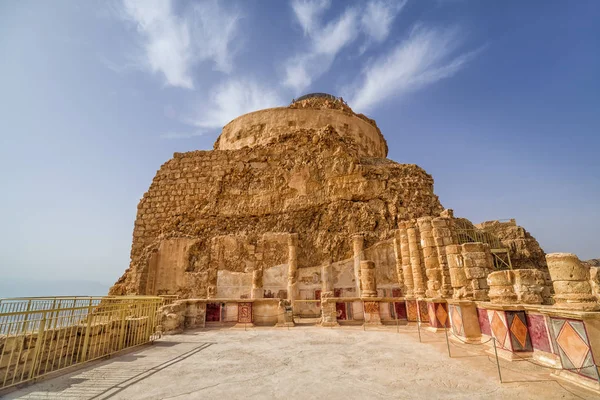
<point>223,210</point>
<point>266,126</point>
<point>525,251</point>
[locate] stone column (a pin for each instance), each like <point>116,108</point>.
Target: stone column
<point>442,236</point>
<point>257,284</point>
<point>571,281</point>
<point>430,258</point>
<point>398,256</point>
<point>358,243</point>
<point>326,283</point>
<point>368,281</point>
<point>405,255</point>
<point>292,267</point>
<point>458,279</point>
<point>501,286</point>
<point>478,264</point>
<point>415,260</point>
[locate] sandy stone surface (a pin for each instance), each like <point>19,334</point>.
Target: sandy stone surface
<point>304,363</point>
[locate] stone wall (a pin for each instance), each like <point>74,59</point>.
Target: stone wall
<point>227,209</point>
<point>266,126</point>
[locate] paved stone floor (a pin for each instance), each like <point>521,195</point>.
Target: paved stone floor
<point>304,363</point>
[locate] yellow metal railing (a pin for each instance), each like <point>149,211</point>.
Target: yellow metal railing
<point>476,235</point>
<point>46,334</point>
<point>168,298</point>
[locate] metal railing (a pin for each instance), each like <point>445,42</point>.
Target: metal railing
<point>46,334</point>
<point>477,235</point>
<point>168,298</point>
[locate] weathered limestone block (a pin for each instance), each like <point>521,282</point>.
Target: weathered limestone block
<point>367,279</point>
<point>571,281</point>
<point>595,281</point>
<point>329,313</point>
<point>477,264</point>
<point>501,286</point>
<point>172,318</point>
<point>458,278</point>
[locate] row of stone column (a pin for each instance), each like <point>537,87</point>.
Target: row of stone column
<point>431,264</point>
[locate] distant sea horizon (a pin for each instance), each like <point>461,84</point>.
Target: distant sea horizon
<point>21,287</point>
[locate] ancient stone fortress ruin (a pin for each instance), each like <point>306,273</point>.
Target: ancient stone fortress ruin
<point>298,208</point>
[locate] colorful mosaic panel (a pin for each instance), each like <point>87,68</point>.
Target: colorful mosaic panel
<point>411,310</point>
<point>519,334</point>
<point>456,321</point>
<point>245,312</point>
<point>484,322</point>
<point>499,328</point>
<point>573,346</point>
<point>538,331</point>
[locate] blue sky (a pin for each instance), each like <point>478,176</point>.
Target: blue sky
<point>499,101</point>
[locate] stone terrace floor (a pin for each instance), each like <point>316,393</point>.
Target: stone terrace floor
<point>304,363</point>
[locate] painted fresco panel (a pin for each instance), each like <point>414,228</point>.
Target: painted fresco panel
<point>400,309</point>
<point>573,347</point>
<point>484,322</point>
<point>245,312</point>
<point>538,331</point>
<point>456,321</point>
<point>213,312</point>
<point>519,334</point>
<point>340,309</point>
<point>411,310</point>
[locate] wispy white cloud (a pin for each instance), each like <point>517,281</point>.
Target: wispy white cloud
<point>327,40</point>
<point>232,99</point>
<point>377,19</point>
<point>426,56</point>
<point>308,13</point>
<point>173,45</point>
<point>325,43</point>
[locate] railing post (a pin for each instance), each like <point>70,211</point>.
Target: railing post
<point>122,330</point>
<point>86,340</point>
<point>38,345</point>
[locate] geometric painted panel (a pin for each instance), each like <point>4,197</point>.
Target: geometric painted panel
<point>484,322</point>
<point>573,347</point>
<point>538,331</point>
<point>456,319</point>
<point>438,315</point>
<point>245,312</point>
<point>519,335</point>
<point>499,328</point>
